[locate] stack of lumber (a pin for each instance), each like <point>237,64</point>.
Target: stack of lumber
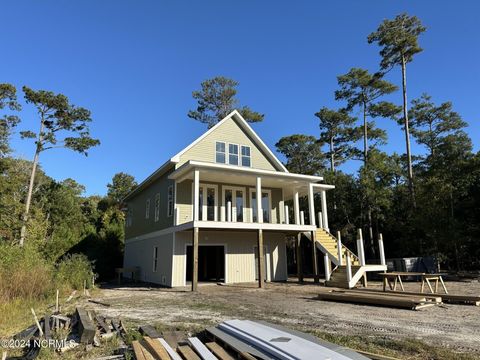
<point>240,339</point>
<point>389,299</point>
<point>445,298</point>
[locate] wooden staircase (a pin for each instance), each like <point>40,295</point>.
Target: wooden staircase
<point>328,245</point>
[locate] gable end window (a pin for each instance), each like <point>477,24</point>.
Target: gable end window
<point>170,201</point>
<point>157,207</point>
<point>220,156</point>
<point>246,160</point>
<point>233,154</point>
<point>147,209</point>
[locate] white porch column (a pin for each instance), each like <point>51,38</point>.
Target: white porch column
<point>311,205</point>
<point>360,250</point>
<point>326,263</point>
<point>287,217</point>
<point>324,210</point>
<point>259,200</point>
<point>349,270</point>
<point>381,249</point>
<point>302,218</point>
<point>196,193</point>
<point>339,249</point>
<point>296,207</point>
<point>320,220</point>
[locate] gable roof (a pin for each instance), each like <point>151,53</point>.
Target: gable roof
<point>235,115</point>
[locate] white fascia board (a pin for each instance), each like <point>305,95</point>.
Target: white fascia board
<point>248,129</point>
<point>192,164</point>
<point>324,186</point>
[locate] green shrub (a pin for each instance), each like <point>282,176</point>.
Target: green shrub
<point>73,270</point>
<point>24,274</point>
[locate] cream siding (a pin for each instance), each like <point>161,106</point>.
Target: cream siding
<point>240,256</point>
<point>140,253</point>
<point>228,132</point>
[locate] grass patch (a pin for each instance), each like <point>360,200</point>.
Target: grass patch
<point>402,349</point>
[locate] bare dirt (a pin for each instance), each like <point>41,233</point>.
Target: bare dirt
<point>456,327</point>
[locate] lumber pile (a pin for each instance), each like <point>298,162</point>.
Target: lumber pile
<point>388,299</point>
<point>239,339</point>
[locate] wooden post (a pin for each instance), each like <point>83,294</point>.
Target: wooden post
<point>296,207</point>
<point>302,218</point>
<point>314,257</point>
<point>339,248</point>
<point>259,200</point>
<point>195,259</point>
<point>287,215</point>
<point>320,220</point>
<point>381,249</point>
<point>298,247</point>
<point>311,205</point>
<point>349,271</point>
<point>261,262</point>
<point>56,303</point>
<point>360,250</point>
<point>37,322</point>
<point>326,263</point>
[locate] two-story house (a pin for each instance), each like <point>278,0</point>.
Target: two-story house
<point>212,211</point>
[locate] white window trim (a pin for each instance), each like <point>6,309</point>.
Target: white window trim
<point>238,154</point>
<point>249,156</point>
<point>204,187</point>
<point>225,152</point>
<point>170,209</point>
<point>157,207</point>
<point>269,192</point>
<point>234,206</point>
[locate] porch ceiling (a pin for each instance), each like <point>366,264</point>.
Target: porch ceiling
<point>218,173</point>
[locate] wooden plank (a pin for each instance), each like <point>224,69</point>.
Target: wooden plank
<point>169,349</point>
<point>187,353</point>
<point>99,302</point>
<point>218,351</point>
<point>447,298</point>
<point>36,321</point>
<point>201,349</point>
<point>434,298</point>
<point>137,349</point>
<point>102,324</point>
<point>413,298</point>
<point>149,331</point>
<point>370,300</point>
<point>86,328</point>
<point>173,338</point>
<point>156,349</point>
<point>46,326</point>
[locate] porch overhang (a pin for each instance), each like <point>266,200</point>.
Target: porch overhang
<point>222,225</point>
<point>246,176</point>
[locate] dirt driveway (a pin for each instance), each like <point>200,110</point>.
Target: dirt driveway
<point>453,326</point>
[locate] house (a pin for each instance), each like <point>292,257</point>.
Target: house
<point>199,218</point>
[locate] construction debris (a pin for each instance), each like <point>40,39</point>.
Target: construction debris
<point>412,302</point>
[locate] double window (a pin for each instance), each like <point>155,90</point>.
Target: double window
<point>236,154</point>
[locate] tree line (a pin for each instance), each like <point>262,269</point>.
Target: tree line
<point>424,204</point>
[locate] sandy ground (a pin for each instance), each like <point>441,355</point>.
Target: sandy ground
<point>294,305</point>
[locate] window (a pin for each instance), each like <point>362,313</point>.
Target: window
<point>155,258</point>
<point>128,220</point>
<point>170,201</point>
<point>220,152</point>
<point>157,207</point>
<point>233,154</point>
<point>246,156</point>
<point>147,209</point>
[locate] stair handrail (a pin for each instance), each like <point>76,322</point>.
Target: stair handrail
<point>343,246</point>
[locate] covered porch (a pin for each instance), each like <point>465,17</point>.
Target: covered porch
<point>212,196</point>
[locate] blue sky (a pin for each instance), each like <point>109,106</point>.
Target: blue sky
<point>134,64</point>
